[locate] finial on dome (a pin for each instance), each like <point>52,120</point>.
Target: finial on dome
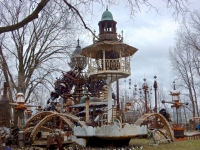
<point>107,8</point>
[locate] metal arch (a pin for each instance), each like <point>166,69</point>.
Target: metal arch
<point>62,116</point>
<point>73,117</point>
<point>162,119</point>
<point>35,116</point>
<point>67,121</point>
<point>38,126</point>
<point>31,128</point>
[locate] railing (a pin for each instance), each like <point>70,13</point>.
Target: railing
<point>114,65</point>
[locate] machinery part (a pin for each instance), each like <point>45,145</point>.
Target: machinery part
<point>103,119</point>
<point>65,117</point>
<point>75,80</point>
<point>95,86</point>
<point>152,118</point>
<point>13,140</point>
<point>165,114</point>
<point>51,139</point>
<point>66,82</point>
<point>36,118</point>
<point>118,122</point>
<point>157,136</point>
<point>42,127</point>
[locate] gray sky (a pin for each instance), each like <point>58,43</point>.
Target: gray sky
<point>152,34</point>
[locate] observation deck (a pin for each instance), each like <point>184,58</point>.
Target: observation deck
<point>114,67</point>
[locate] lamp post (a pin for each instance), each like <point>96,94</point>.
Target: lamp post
<point>155,85</point>
<point>20,108</point>
<point>178,130</point>
<point>145,88</point>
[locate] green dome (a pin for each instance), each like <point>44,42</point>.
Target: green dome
<point>107,15</point>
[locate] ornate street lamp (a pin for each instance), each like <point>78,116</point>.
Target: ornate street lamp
<point>20,108</point>
<point>176,104</point>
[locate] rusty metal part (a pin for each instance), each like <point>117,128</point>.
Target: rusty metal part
<point>65,117</point>
<point>165,123</point>
<point>157,136</point>
<point>54,138</point>
<point>35,117</point>
<point>42,128</point>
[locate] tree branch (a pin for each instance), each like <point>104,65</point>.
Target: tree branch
<point>28,19</point>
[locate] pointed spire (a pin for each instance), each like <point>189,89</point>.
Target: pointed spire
<point>78,41</point>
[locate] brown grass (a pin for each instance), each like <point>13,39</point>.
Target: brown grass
<point>177,145</point>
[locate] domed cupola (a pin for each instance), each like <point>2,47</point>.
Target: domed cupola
<point>107,27</point>
<point>77,51</point>
<point>107,15</point>
<point>78,61</point>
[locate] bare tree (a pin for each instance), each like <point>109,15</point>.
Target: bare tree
<point>185,73</point>
<point>190,29</point>
<point>185,57</point>
<point>31,54</point>
<point>178,6</point>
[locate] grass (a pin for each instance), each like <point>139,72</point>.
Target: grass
<point>177,145</point>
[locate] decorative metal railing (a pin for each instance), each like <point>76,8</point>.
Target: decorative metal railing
<point>109,65</point>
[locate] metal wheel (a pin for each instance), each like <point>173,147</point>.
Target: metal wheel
<point>158,122</point>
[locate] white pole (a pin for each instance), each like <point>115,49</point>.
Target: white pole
<point>109,99</point>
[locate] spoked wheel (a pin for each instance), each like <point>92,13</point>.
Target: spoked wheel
<point>157,122</point>
<point>156,136</point>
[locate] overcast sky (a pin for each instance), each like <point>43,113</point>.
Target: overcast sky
<point>152,34</point>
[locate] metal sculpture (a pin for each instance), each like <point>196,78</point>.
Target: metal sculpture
<point>54,138</point>
<point>149,120</point>
<point>177,127</point>
<point>90,93</point>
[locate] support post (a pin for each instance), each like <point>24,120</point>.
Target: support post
<point>118,108</point>
<point>104,63</point>
<point>109,99</point>
<point>87,109</point>
<point>155,85</point>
